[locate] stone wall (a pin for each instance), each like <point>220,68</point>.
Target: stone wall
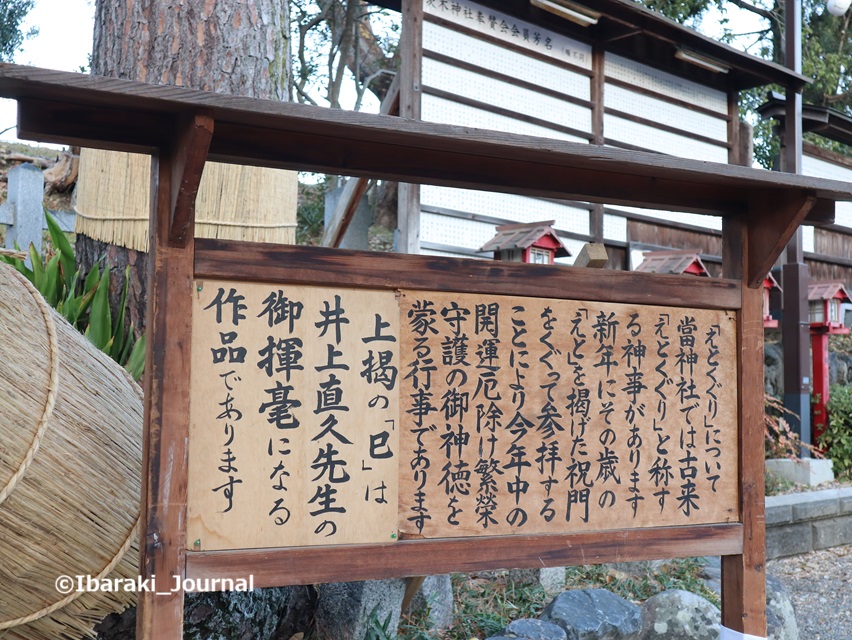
<point>803,522</point>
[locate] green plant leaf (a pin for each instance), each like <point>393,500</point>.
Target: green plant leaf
<point>19,265</point>
<point>52,284</point>
<point>136,362</point>
<point>92,278</point>
<point>83,302</point>
<point>38,269</point>
<point>100,321</point>
<point>63,248</point>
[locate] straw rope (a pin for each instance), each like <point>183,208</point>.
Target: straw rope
<point>8,624</point>
<point>13,253</point>
<point>221,223</point>
<point>53,385</point>
<point>80,214</point>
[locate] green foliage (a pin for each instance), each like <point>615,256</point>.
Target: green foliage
<point>379,629</point>
<point>684,11</point>
<point>684,573</point>
<point>826,56</point>
<point>310,213</point>
<point>767,146</point>
<point>837,438</point>
<point>485,605</point>
<point>83,303</point>
<point>12,14</point>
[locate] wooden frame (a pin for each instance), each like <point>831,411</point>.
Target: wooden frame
<point>762,210</point>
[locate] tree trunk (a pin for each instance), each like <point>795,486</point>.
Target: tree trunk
<point>223,46</point>
<point>238,48</point>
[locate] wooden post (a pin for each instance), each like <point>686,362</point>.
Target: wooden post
<point>734,129</point>
<point>166,432</point>
<point>743,576</point>
<point>411,65</point>
<point>598,86</point>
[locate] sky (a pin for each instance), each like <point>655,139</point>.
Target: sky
<point>64,42</point>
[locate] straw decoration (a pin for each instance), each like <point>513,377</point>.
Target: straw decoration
<point>234,202</point>
<point>70,470</point>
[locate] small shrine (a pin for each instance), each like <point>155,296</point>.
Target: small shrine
<point>769,284</point>
<point>531,242</point>
<point>826,318</point>
<point>673,262</point>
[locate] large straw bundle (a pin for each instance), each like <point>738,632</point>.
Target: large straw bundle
<point>70,469</point>
<point>255,204</point>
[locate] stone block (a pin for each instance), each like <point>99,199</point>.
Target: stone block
<point>813,509</point>
<point>347,610</point>
<point>552,579</point>
<point>26,197</point>
<point>781,514</point>
<point>845,504</point>
<point>526,629</point>
<point>780,616</point>
<point>679,615</point>
<point>591,614</point>
<point>807,471</point>
<point>435,600</point>
<point>788,540</point>
<point>832,533</point>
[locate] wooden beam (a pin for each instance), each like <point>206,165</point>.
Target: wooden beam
<point>192,142</point>
<point>113,113</point>
<point>743,574</point>
<point>309,565</point>
<point>99,128</point>
<point>166,425</point>
<point>257,262</point>
<point>355,188</point>
<point>772,221</point>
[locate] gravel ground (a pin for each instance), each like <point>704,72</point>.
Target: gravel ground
<point>820,586</point>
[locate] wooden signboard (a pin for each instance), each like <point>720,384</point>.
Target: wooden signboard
<point>321,415</point>
<point>294,436</point>
<point>328,416</point>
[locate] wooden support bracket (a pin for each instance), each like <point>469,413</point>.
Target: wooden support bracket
<point>593,256</point>
<point>192,141</point>
<point>772,221</point>
<point>822,214</point>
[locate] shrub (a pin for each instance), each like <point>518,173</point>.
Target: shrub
<point>779,440</point>
<point>837,437</point>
